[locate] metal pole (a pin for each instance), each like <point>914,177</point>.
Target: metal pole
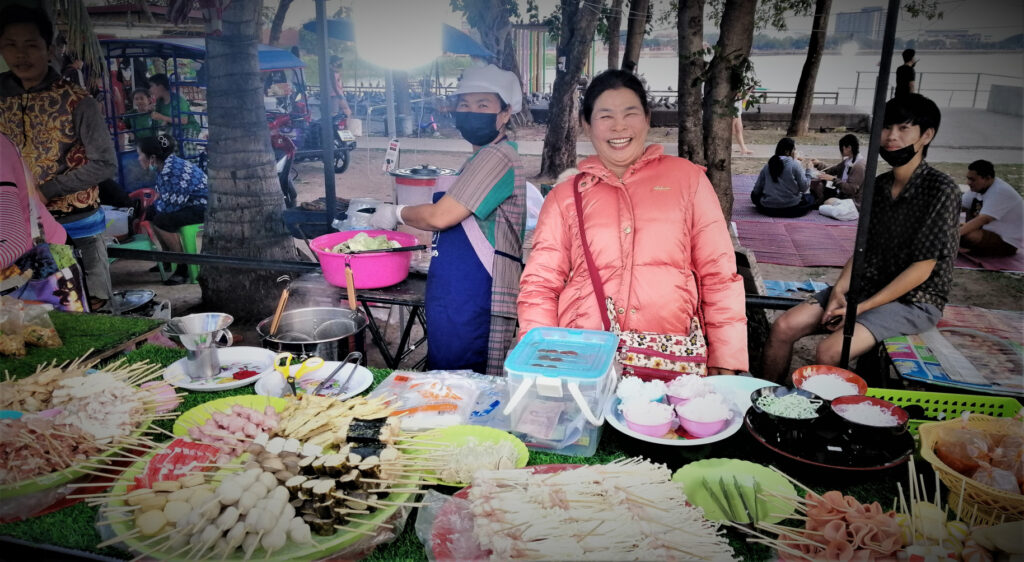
<point>856,89</point>
<point>977,82</point>
<point>326,124</point>
<point>389,99</point>
<point>868,188</point>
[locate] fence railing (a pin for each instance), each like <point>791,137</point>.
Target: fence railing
<point>947,89</point>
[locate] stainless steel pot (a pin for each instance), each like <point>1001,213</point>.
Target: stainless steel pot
<point>320,332</point>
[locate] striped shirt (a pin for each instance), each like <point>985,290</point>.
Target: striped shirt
<point>492,187</point>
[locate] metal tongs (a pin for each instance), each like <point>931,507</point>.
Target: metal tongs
<point>724,504</point>
<point>354,358</point>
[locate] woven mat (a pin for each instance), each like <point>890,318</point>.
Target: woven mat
<point>816,240</point>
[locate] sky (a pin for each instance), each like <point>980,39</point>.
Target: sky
<point>998,18</point>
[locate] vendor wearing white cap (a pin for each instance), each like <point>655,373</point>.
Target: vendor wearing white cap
<point>479,223</point>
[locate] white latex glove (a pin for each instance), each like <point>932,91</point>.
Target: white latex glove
<point>385,218</point>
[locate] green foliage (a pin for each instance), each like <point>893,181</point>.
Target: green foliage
<point>532,12</point>
<point>478,12</point>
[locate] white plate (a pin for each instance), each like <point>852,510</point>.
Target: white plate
<point>271,382</point>
<point>232,360</point>
<point>734,388</point>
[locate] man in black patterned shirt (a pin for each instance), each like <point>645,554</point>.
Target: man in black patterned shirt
<point>908,260</point>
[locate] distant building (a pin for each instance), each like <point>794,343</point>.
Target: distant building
<point>868,23</point>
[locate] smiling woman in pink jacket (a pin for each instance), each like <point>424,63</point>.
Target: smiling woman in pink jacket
<point>655,229</point>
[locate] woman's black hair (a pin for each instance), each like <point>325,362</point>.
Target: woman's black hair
<point>612,80</point>
<point>785,147</point>
<point>160,80</point>
<point>852,142</point>
<point>17,13</point>
<point>161,146</point>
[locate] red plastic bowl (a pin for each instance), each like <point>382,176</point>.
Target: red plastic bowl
<point>801,375</point>
<point>369,271</point>
<point>865,429</point>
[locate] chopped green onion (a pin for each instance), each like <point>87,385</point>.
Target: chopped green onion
<point>791,406</point>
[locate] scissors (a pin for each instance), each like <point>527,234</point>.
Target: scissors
<point>283,362</point>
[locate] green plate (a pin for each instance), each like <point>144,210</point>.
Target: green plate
<point>198,415</point>
<point>54,479</point>
<point>694,475</point>
<point>460,435</point>
<point>321,547</point>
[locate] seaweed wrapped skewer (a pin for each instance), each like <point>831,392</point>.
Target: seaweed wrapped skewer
<point>321,526</point>
<point>295,483</point>
<point>304,464</point>
<point>318,466</point>
<point>368,449</point>
<point>322,489</point>
<point>323,510</point>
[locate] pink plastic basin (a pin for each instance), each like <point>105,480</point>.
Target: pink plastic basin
<point>702,429</point>
<point>650,430</point>
<point>369,271</point>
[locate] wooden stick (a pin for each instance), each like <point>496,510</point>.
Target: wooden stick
<point>119,538</point>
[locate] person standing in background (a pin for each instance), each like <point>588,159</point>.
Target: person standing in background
<point>62,136</point>
<point>906,77</point>
<point>337,102</point>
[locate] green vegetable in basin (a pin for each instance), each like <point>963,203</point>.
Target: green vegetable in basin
<point>361,243</point>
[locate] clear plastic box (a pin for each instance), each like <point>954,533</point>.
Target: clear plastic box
<point>560,381</point>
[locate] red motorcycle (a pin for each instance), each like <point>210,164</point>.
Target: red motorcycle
<point>305,135</point>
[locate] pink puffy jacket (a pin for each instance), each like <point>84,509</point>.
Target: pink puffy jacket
<point>649,234</point>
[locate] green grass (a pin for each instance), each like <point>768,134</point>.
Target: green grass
<point>80,333</point>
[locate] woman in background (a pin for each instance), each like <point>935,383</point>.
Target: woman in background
<point>782,188</point>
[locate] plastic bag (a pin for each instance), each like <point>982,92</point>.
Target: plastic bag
<point>997,478</point>
<point>445,527</point>
<point>432,399</point>
<point>12,337</point>
<point>38,328</point>
<point>1009,456</point>
<point>839,209</point>
<point>963,449</point>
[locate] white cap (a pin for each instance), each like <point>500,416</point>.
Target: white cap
<point>492,79</point>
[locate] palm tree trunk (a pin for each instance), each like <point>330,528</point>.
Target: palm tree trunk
<point>579,20</point>
<point>690,28</point>
<point>724,79</point>
<point>243,217</point>
<point>635,30</point>
<point>614,23</point>
<point>804,101</point>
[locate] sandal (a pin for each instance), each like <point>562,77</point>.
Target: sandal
<point>96,304</point>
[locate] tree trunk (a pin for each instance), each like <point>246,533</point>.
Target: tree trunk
<point>690,27</point>
<point>804,101</point>
<point>635,31</point>
<point>724,80</point>
<point>614,26</point>
<point>243,217</point>
<point>579,20</point>
<point>278,23</point>
<point>403,103</point>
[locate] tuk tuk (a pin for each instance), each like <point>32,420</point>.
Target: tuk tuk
<point>181,59</point>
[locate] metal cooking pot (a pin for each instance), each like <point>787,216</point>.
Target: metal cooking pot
<point>319,331</point>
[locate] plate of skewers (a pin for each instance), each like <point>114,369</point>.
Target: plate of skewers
<point>280,498</point>
<point>451,455</point>
<point>69,421</point>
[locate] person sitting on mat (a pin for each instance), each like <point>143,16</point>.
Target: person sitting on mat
<point>183,191</point>
<point>908,256</point>
<point>782,188</point>
<point>995,213</point>
<point>847,175</point>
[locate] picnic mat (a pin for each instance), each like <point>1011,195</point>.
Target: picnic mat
<point>972,348</point>
<point>822,241</point>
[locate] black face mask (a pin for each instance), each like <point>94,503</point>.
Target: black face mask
<point>477,128</point>
<point>897,158</point>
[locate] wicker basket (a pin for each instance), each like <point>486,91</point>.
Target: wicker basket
<point>981,504</point>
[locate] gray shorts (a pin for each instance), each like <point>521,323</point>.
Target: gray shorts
<point>893,319</point>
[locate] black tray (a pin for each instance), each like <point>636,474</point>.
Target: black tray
<point>827,444</point>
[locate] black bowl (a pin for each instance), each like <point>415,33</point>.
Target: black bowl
<point>783,422</point>
<point>870,433</point>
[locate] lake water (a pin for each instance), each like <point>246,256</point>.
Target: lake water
<point>947,78</point>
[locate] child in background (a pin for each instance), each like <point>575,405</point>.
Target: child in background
<point>140,124</point>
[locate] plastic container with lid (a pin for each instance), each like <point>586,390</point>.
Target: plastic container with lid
<point>561,380</point>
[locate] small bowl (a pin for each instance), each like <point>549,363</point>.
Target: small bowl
<point>784,422</point>
<point>702,429</point>
<point>807,372</point>
<point>658,430</point>
<point>677,400</point>
<point>865,431</point>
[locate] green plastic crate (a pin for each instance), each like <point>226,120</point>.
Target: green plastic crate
<point>935,403</point>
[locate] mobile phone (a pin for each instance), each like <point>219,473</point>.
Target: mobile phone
<point>834,322</point>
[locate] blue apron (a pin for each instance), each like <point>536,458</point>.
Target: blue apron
<point>458,303</point>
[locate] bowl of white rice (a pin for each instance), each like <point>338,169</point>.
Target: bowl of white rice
<point>868,417</point>
<point>829,382</point>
